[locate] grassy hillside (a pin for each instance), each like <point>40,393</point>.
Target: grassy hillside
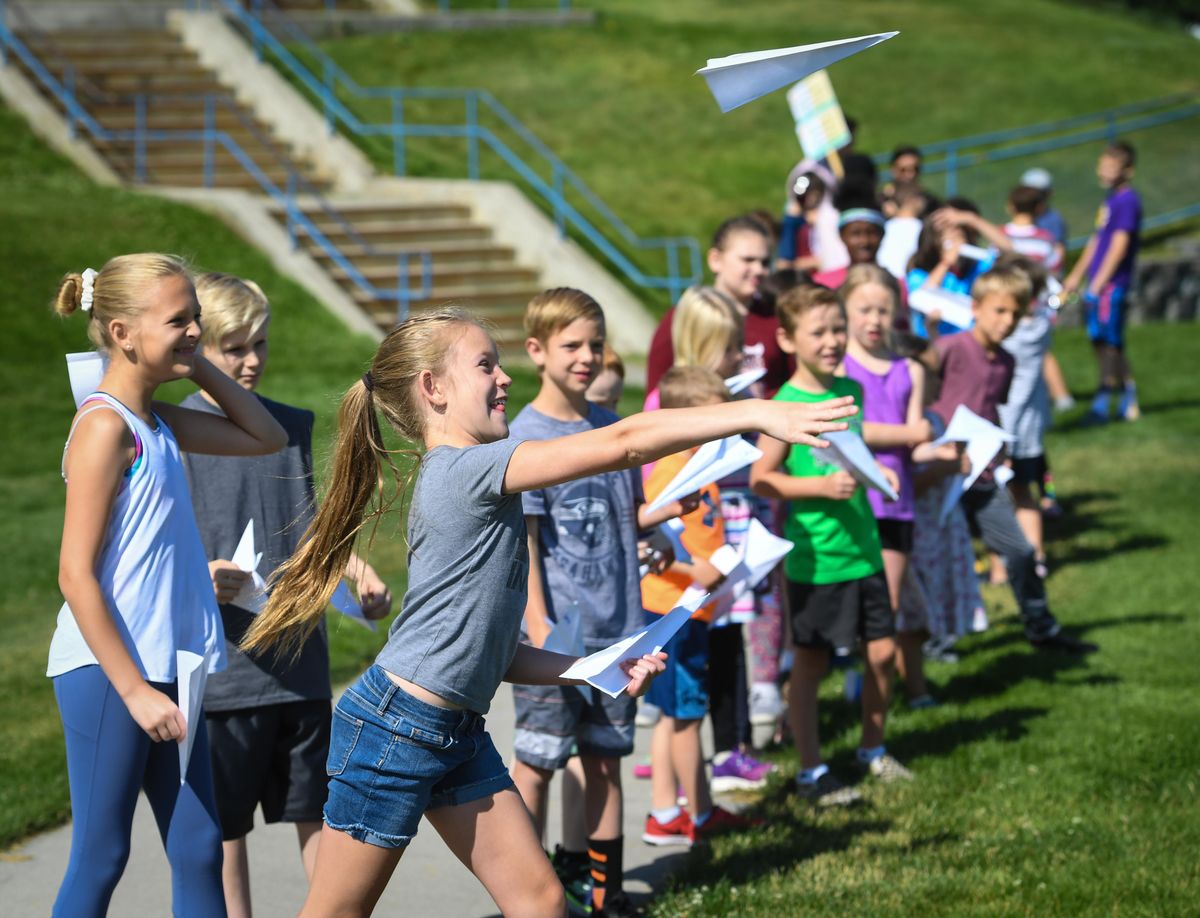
<point>620,104</point>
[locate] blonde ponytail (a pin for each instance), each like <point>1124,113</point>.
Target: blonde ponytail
<point>302,587</point>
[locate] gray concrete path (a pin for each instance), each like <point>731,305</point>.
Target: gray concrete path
<point>429,880</point>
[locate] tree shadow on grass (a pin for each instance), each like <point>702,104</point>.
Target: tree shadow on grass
<point>1086,554</point>
<point>1008,725</point>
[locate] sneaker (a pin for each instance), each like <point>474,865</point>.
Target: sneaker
<point>1065,644</point>
<point>766,703</point>
<point>574,871</point>
<point>739,772</point>
<point>828,791</point>
<point>922,702</point>
<point>979,621</point>
<point>647,715</point>
<point>643,770</point>
<point>720,820</point>
<point>679,831</point>
<point>618,905</point>
<point>887,769</point>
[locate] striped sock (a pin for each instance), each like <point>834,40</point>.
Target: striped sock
<point>608,871</point>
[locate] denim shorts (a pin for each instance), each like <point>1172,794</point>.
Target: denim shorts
<point>681,690</point>
<point>393,756</point>
<point>555,722</point>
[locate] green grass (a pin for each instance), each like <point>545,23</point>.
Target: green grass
<point>1045,785</point>
<point>620,105</point>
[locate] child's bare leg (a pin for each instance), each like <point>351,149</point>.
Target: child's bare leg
<point>603,799</point>
<point>534,786</point>
<point>808,669</point>
<point>574,822</point>
<point>349,876</point>
<point>687,758</point>
<point>662,769</point>
<point>309,836</point>
<point>877,690</point>
<point>495,839</point>
<point>235,878</point>
<point>1029,514</point>
<point>911,659</point>
<point>1056,382</point>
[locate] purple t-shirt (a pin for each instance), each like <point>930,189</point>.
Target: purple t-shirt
<point>973,377</point>
<point>1121,210</point>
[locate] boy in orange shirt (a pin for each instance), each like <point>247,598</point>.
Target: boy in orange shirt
<point>681,692</point>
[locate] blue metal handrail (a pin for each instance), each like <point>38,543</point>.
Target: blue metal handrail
<point>65,92</point>
<point>325,89</point>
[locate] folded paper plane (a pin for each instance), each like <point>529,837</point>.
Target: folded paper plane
<point>711,462</point>
<point>849,451</point>
<point>741,78</point>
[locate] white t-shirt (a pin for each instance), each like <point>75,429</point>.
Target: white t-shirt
<point>900,237</point>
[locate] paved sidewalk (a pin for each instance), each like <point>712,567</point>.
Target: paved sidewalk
<point>429,880</point>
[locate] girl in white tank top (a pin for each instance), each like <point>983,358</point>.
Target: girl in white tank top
<point>135,579</point>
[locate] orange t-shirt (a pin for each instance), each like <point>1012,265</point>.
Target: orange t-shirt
<point>703,533</point>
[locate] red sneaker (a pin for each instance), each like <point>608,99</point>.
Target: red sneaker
<point>679,831</point>
<point>719,821</point>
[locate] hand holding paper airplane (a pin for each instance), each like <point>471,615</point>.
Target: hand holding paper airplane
<point>984,441</point>
<point>849,451</point>
<point>253,596</point>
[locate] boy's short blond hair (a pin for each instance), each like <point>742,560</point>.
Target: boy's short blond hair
<point>1009,281</point>
<point>229,304</point>
<point>553,310</point>
<point>792,306</point>
<point>686,387</point>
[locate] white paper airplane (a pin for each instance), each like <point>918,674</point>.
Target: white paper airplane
<point>984,441</point>
<point>252,596</point>
<point>761,551</point>
<point>711,462</point>
<point>603,668</point>
<point>955,308</point>
<point>192,672</point>
<point>85,370</point>
<point>741,78</point>
<point>744,381</point>
<point>849,451</point>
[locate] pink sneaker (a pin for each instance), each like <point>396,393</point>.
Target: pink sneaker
<point>643,770</point>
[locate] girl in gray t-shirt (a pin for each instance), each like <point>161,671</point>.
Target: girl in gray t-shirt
<point>408,737</point>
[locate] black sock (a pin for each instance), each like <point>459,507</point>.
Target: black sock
<point>608,871</point>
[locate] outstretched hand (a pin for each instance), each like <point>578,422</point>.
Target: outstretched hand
<point>799,422</point>
<point>641,672</point>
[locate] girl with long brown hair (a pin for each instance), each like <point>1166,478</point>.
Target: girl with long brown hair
<point>408,736</point>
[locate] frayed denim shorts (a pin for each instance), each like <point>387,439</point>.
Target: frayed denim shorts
<point>393,756</point>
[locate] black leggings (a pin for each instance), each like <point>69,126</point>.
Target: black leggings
<point>728,698</point>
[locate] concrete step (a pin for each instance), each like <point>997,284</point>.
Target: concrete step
<point>503,304</point>
<point>477,278</point>
<point>443,253</point>
<point>222,178</point>
<point>125,118</point>
<point>366,212</point>
<point>403,234</point>
<point>505,325</point>
<point>100,69</point>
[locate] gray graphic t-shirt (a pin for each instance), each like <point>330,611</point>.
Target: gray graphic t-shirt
<point>588,536</point>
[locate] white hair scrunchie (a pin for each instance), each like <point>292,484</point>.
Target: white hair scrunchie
<point>89,289</point>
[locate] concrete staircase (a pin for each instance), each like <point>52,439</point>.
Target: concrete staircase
<point>111,68</point>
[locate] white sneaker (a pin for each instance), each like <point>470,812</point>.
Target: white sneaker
<point>981,620</point>
<point>766,704</point>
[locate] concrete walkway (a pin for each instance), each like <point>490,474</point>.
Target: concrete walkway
<point>429,880</point>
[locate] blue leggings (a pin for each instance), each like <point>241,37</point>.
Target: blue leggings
<point>109,759</point>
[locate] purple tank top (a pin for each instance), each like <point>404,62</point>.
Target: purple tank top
<point>885,401</point>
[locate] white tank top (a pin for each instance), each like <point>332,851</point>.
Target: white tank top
<point>152,569</point>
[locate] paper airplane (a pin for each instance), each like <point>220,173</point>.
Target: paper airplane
<point>343,600</point>
<point>192,672</point>
<point>761,551</point>
<point>252,596</point>
<point>984,441</point>
<point>744,381</point>
<point>741,78</point>
<point>955,308</point>
<point>849,451</point>
<point>711,462</point>
<point>85,370</point>
<point>602,669</point>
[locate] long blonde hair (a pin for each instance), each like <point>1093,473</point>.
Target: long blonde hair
<point>706,324</point>
<point>117,290</point>
<point>302,586</point>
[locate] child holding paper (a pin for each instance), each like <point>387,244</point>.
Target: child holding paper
<point>682,692</point>
<point>583,557</point>
<point>408,736</point>
<point>837,590</point>
<point>976,371</point>
<point>138,597</point>
<point>268,719</point>
<point>893,423</point>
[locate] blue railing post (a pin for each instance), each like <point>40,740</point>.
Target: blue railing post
<point>560,211</point>
<point>399,163</point>
<point>673,272</point>
<point>951,172</point>
<point>139,143</point>
<point>210,130</point>
<point>472,104</point>
<point>327,104</point>
<point>293,236</point>
<point>257,29</point>
<point>69,85</point>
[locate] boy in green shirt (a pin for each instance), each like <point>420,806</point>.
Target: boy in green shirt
<point>836,586</point>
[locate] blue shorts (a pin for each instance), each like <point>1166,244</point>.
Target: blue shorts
<point>393,756</point>
<point>1105,316</point>
<point>681,690</point>
<point>555,722</point>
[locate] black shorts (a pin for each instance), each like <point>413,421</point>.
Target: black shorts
<point>836,615</point>
<point>1031,471</point>
<point>896,535</point>
<point>273,755</point>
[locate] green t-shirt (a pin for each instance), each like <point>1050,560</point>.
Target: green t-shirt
<point>836,540</point>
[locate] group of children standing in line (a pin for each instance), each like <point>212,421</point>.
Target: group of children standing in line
<point>511,528</point>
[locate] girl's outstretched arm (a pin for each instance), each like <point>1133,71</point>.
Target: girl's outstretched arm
<point>534,666</point>
<point>100,451</point>
<point>647,437</point>
<point>247,429</point>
